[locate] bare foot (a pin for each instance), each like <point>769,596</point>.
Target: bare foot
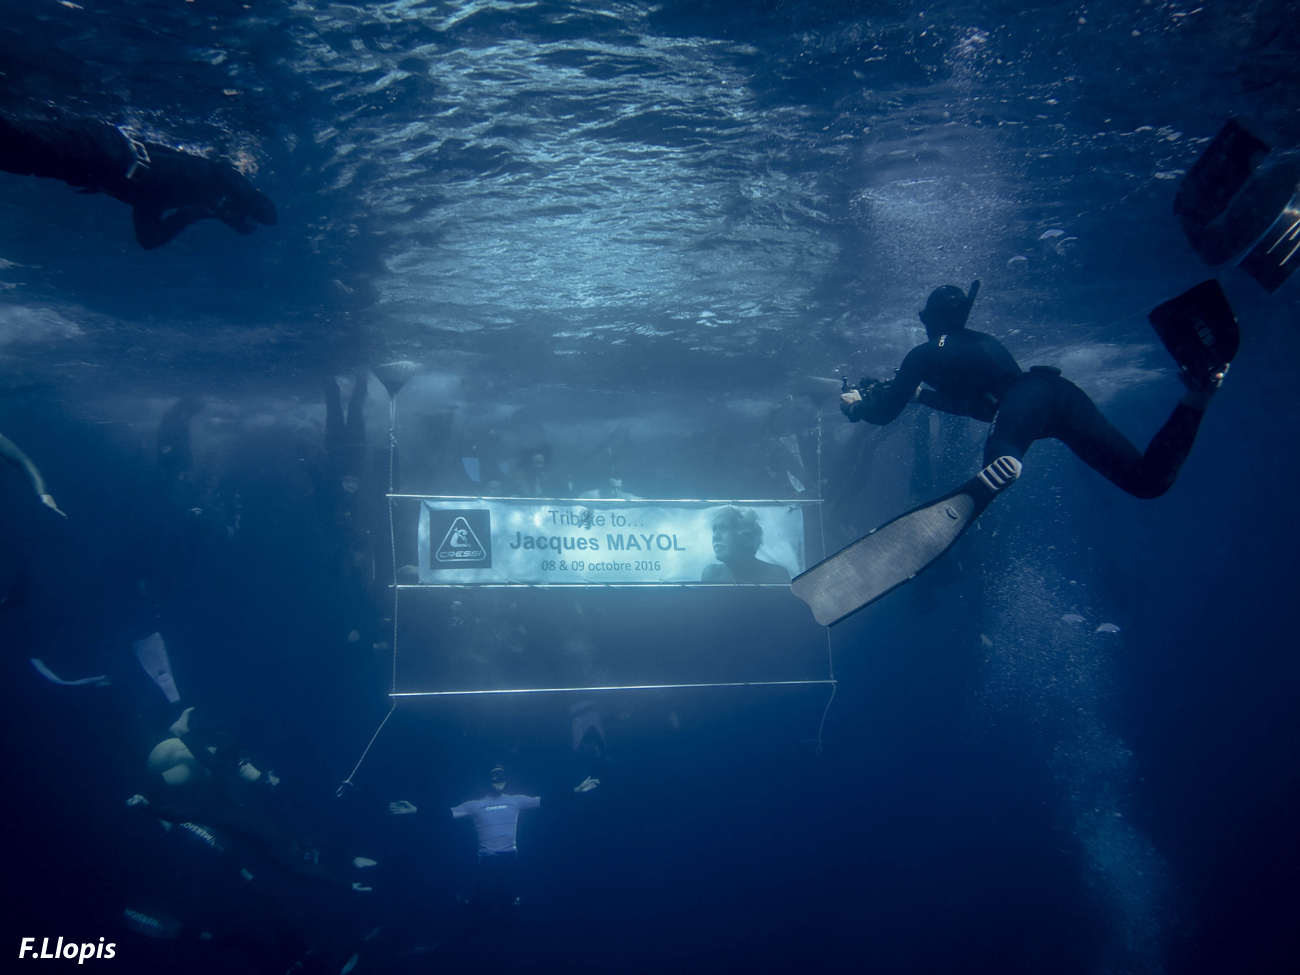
<point>182,724</point>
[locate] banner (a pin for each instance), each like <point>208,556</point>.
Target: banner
<point>513,541</point>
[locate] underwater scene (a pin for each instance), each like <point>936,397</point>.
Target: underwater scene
<point>695,486</point>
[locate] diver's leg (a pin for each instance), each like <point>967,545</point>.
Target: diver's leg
<point>356,431</point>
<point>480,903</point>
<point>508,888</point>
<point>75,152</point>
<point>335,425</point>
<point>176,813</point>
<point>292,858</point>
<point>152,229</point>
<point>1022,418</point>
<point>1082,427</point>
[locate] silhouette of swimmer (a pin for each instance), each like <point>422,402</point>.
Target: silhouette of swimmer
<point>969,373</point>
<point>151,178</point>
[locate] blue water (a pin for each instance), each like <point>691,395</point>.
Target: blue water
<point>652,223</point>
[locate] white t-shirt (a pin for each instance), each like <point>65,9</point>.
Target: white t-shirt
<point>496,819</point>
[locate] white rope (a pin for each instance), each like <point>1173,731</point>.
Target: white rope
<point>348,783</point>
<point>612,502</point>
<point>392,547</point>
<point>821,525</point>
<point>830,656</point>
<point>392,534</point>
<point>821,512</point>
<point>622,687</point>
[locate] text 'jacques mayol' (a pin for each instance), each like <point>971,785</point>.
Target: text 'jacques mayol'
<point>630,542</point>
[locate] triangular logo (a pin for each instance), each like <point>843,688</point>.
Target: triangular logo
<point>460,544</point>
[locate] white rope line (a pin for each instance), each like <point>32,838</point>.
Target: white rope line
<point>821,525</point>
<point>830,656</point>
<point>594,585</point>
<point>609,502</point>
<point>392,547</point>
<point>622,687</point>
<point>392,534</point>
<point>347,783</point>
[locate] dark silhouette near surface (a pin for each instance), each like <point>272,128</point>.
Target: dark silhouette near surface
<point>166,189</point>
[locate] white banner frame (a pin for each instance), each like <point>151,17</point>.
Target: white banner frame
<point>511,557</point>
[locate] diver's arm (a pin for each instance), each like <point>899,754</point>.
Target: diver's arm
<point>11,452</point>
<point>152,229</point>
<point>880,403</point>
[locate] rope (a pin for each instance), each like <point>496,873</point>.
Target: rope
<point>392,548</point>
<point>830,657</point>
<point>392,534</point>
<point>821,527</point>
<point>348,783</point>
<point>620,687</point>
<point>821,506</point>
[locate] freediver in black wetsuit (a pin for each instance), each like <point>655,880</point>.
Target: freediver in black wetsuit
<point>230,797</point>
<point>216,800</point>
<point>151,178</point>
<point>972,374</point>
<point>969,373</point>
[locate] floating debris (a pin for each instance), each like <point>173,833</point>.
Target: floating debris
<point>1072,618</point>
<point>1108,628</point>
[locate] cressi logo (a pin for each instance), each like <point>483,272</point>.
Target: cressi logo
<point>464,539</point>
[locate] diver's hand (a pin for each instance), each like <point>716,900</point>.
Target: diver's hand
<point>401,808</point>
<point>848,399</point>
<point>586,785</point>
<point>49,503</point>
<point>181,726</point>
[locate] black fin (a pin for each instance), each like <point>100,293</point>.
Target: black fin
<point>1199,329</point>
<point>1277,254</point>
<point>1219,174</point>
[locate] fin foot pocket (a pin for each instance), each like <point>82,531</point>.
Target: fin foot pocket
<point>1000,474</point>
<point>1200,331</point>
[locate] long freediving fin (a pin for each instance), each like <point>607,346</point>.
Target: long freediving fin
<point>1277,254</point>
<point>152,654</point>
<point>1240,197</point>
<point>892,554</point>
<point>54,678</point>
<point>1199,329</point>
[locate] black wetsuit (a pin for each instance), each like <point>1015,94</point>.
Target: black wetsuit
<point>972,374</point>
<point>149,177</point>
<point>229,803</point>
